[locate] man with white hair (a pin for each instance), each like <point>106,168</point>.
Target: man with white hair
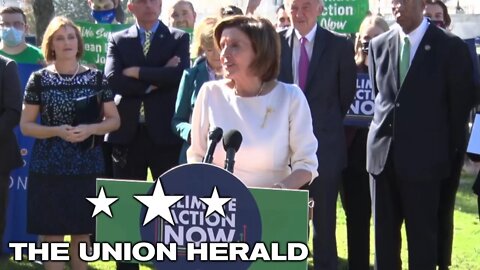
<point>322,64</point>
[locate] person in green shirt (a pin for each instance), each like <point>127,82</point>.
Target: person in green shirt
<point>13,28</point>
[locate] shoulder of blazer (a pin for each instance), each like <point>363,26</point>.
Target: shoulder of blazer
<point>4,60</point>
<point>383,37</point>
<point>175,32</point>
<point>125,33</point>
<point>194,72</point>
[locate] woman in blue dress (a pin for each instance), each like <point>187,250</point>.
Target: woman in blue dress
<point>63,170</point>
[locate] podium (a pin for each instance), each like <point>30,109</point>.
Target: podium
<point>252,215</point>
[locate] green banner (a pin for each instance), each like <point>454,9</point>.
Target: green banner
<point>343,16</point>
<point>95,39</point>
<point>283,215</point>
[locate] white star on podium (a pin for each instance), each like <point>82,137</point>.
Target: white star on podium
<point>215,203</point>
<point>158,204</point>
<point>102,203</point>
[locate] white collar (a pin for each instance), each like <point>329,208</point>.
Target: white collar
<point>415,36</point>
<point>310,36</point>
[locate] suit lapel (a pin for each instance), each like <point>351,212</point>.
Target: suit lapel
<point>288,54</point>
<point>420,59</point>
<point>135,42</point>
<point>422,52</point>
<point>393,46</point>
<point>318,48</point>
<point>158,37</point>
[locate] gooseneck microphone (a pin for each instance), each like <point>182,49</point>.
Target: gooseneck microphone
<point>231,143</point>
<point>214,137</point>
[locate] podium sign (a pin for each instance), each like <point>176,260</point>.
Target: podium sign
<point>277,218</point>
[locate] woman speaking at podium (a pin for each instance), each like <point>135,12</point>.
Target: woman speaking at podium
<point>278,148</point>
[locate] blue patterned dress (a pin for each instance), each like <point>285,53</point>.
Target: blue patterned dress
<point>62,174</point>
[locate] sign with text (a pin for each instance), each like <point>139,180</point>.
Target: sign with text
<point>362,108</point>
<point>343,16</point>
<point>213,222</point>
<point>95,41</point>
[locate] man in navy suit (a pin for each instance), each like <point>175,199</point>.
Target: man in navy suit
<point>422,77</point>
<point>144,66</point>
<point>328,81</point>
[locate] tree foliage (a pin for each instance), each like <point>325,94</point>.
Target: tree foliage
<point>43,10</point>
<point>75,10</point>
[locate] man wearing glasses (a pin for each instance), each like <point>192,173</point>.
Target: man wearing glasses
<point>13,28</point>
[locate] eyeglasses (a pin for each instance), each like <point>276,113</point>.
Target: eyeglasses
<point>17,25</point>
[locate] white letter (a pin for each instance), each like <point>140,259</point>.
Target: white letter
<point>143,258</point>
<point>259,252</point>
<point>219,251</point>
<point>17,250</point>
<point>192,251</point>
<point>239,250</point>
<point>59,252</point>
<point>83,252</point>
<point>275,250</point>
<point>292,247</point>
<point>171,252</point>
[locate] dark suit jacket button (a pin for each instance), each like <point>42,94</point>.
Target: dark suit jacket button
<point>397,104</point>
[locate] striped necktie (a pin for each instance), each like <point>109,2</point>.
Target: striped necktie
<point>146,47</point>
<point>404,59</point>
<point>146,44</point>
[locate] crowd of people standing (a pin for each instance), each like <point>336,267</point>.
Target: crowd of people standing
<point>285,85</point>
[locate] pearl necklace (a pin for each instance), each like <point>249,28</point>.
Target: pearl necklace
<point>258,93</point>
<point>70,78</point>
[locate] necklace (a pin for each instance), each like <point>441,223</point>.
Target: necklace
<point>70,78</point>
<point>258,93</point>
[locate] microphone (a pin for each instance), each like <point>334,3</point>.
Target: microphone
<point>214,136</point>
<point>231,143</point>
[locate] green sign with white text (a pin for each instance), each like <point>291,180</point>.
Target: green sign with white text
<point>276,219</point>
<point>343,16</point>
<point>95,41</point>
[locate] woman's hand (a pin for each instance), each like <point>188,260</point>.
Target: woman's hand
<point>80,133</point>
<point>65,132</point>
<point>74,134</point>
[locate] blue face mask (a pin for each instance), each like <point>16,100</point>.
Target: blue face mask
<point>11,36</point>
<point>104,16</point>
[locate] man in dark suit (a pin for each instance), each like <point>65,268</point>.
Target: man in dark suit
<point>10,109</point>
<point>422,77</point>
<point>144,66</point>
<point>322,64</point>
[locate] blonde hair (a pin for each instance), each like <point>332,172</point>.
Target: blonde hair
<point>55,24</point>
<point>203,36</point>
<point>369,21</point>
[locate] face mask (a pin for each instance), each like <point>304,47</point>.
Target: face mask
<point>11,36</point>
<point>440,24</point>
<point>365,47</point>
<point>104,16</point>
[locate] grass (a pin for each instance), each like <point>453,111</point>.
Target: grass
<point>466,247</point>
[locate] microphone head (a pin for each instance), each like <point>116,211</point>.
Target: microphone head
<point>233,139</point>
<point>216,134</point>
